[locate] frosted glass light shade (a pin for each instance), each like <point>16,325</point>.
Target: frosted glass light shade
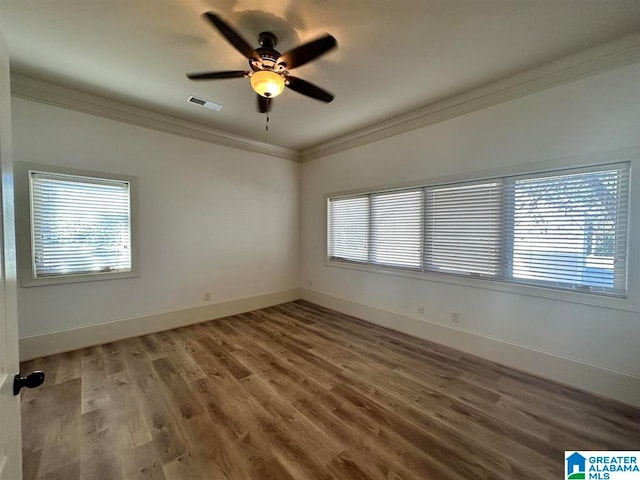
<point>266,83</point>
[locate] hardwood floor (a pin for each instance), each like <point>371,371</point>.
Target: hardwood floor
<point>301,392</point>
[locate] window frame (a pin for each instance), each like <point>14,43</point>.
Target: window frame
<point>24,225</point>
<point>603,160</point>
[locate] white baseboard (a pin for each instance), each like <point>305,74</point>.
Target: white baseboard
<point>67,340</point>
<point>593,378</point>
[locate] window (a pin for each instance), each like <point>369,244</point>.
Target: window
<point>563,230</point>
<point>79,226</point>
<point>349,225</point>
<point>463,224</point>
<point>570,230</point>
<point>396,229</point>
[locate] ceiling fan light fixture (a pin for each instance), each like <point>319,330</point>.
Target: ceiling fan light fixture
<point>269,69</point>
<point>267,83</point>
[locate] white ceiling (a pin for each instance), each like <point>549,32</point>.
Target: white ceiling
<point>393,56</point>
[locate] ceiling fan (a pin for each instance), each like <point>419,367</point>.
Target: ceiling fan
<point>269,69</point>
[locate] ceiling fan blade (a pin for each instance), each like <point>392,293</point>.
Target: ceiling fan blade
<point>307,51</point>
<point>232,36</point>
<point>309,89</point>
<point>264,104</point>
<point>217,75</point>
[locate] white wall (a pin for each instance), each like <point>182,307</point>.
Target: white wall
<point>595,115</point>
<point>212,219</point>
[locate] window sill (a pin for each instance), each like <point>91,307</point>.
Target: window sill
<point>483,283</point>
<point>87,277</point>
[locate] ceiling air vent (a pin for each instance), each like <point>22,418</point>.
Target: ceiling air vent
<point>204,103</point>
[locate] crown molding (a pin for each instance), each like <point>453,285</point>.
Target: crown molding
<point>617,53</point>
<point>53,94</point>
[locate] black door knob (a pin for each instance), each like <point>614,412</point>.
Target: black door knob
<point>32,380</point>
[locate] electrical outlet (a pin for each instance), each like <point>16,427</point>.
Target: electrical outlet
<point>421,309</point>
<point>206,297</point>
<point>309,283</point>
<point>455,317</point>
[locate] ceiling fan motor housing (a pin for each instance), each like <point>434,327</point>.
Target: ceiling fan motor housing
<point>268,54</point>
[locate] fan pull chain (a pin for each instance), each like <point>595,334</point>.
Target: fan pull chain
<point>266,127</point>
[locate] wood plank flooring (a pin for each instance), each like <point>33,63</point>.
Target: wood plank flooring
<point>300,392</point>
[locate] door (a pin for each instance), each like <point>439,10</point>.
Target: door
<point>10,442</point>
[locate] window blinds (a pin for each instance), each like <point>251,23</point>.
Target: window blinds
<point>396,229</point>
<point>80,225</point>
<point>463,229</point>
<point>571,230</point>
<point>349,229</point>
<point>564,230</point>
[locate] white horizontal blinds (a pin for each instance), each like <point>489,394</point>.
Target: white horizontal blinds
<point>80,225</point>
<point>396,229</point>
<point>463,225</point>
<point>570,230</point>
<point>565,230</point>
<point>349,229</point>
